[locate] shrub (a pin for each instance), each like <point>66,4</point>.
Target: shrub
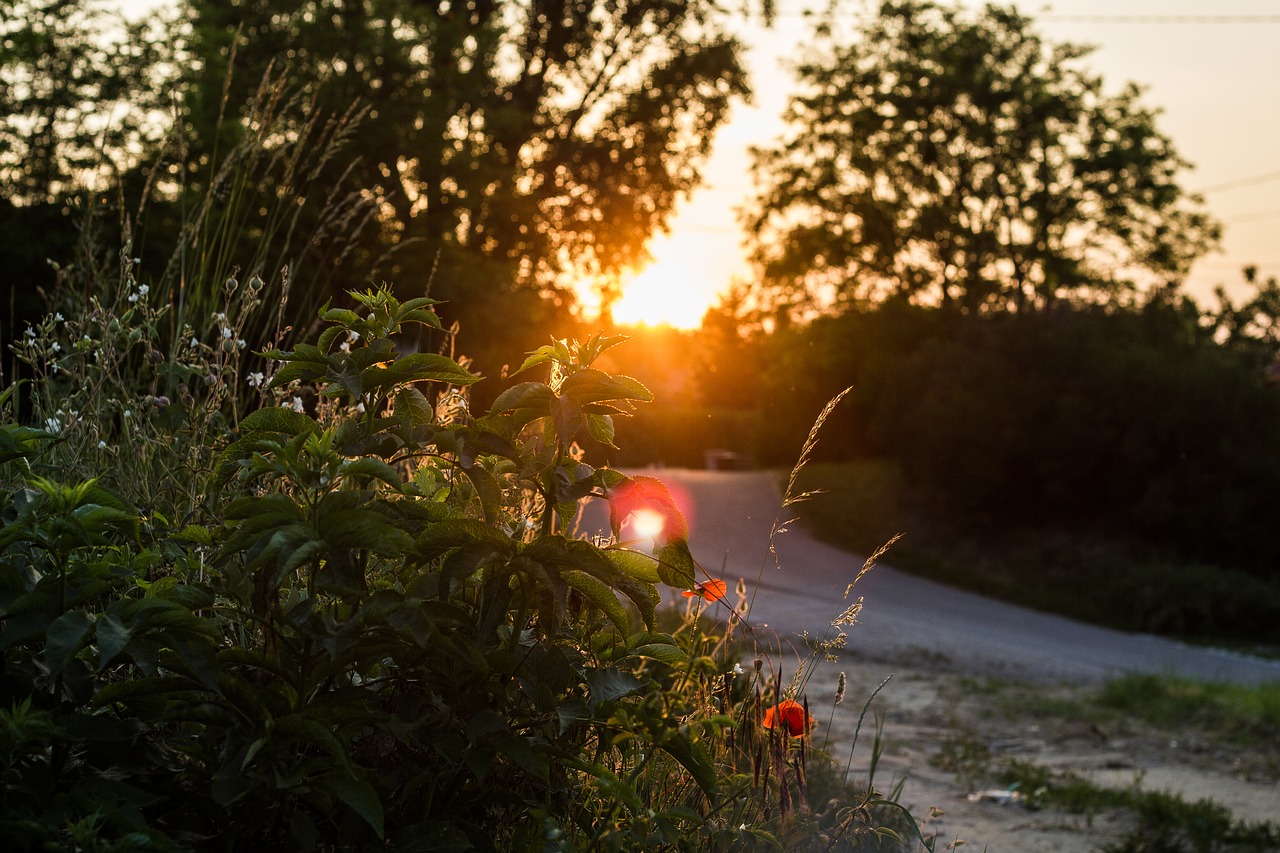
<point>363,620</point>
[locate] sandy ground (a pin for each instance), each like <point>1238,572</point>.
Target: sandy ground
<point>928,707</point>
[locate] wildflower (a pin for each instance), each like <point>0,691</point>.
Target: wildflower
<point>194,343</point>
<point>738,670</point>
<point>133,297</point>
<point>55,346</point>
<point>128,413</point>
<point>219,318</point>
<point>256,379</point>
<point>143,289</point>
<point>30,333</point>
<point>102,445</point>
<point>296,405</point>
<point>711,590</point>
<point>58,318</point>
<point>52,425</point>
<point>353,336</point>
<point>344,346</point>
<point>240,344</point>
<point>788,714</point>
<point>226,333</point>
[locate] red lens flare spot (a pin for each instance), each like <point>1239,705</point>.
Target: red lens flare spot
<point>647,523</point>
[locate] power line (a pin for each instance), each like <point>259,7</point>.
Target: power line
<point>1242,182</point>
<point>1253,217</point>
<point>1162,19</point>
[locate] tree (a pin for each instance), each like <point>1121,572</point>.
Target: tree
<point>525,144</point>
<point>76,85</point>
<point>955,156</point>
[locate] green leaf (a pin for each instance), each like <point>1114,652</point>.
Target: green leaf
<point>413,406</point>
<point>667,653</point>
<point>368,466</point>
<point>607,683</point>
<point>693,757</point>
<point>601,595</point>
<point>634,564</point>
<point>418,367</point>
<point>278,419</point>
<point>65,637</point>
<point>600,428</point>
<point>358,795</point>
<point>112,636</point>
<point>146,687</point>
<point>676,566</point>
<point>527,401</point>
<point>593,386</point>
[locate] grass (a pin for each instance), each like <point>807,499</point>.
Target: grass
<point>1078,573</point>
<point>1154,821</point>
<point>1247,713</point>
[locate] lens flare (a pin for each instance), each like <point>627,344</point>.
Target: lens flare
<point>647,523</point>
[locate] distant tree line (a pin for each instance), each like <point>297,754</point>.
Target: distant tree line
<point>494,154</point>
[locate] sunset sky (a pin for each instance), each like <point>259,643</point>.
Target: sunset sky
<point>1210,67</point>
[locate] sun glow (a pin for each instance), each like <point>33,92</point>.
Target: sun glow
<point>675,290</point>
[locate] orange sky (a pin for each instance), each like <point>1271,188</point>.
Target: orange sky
<point>1215,77</point>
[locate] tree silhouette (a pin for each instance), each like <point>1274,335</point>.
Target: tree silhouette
<point>955,156</point>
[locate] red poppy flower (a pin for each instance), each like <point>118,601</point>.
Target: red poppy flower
<point>790,715</point>
<point>712,590</point>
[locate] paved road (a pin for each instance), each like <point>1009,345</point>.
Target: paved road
<point>907,618</point>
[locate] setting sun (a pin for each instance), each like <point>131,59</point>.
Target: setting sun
<point>675,289</point>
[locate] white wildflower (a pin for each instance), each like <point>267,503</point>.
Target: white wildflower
<point>30,333</point>
<point>353,336</point>
<point>56,347</point>
<point>128,413</point>
<point>194,343</point>
<point>227,333</point>
<point>255,379</point>
<point>143,289</point>
<point>102,445</point>
<point>344,346</point>
<point>52,425</point>
<point>219,318</point>
<point>240,344</point>
<point>58,318</point>
<point>738,670</point>
<point>133,297</point>
<point>296,405</point>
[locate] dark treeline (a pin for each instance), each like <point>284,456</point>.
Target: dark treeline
<point>492,155</point>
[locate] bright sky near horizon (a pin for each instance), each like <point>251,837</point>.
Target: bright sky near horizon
<point>1209,66</point>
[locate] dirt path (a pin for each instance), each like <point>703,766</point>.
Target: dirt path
<point>976,683</point>
<point>943,731</point>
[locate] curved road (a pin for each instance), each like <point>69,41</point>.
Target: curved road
<point>907,618</point>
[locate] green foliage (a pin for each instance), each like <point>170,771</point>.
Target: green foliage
<point>375,628</point>
<point>953,155</point>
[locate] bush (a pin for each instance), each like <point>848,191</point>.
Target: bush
<point>360,619</point>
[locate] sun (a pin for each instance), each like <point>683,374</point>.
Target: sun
<point>675,290</point>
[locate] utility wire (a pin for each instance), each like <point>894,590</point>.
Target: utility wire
<point>1253,217</point>
<point>1161,19</point>
<point>1241,182</point>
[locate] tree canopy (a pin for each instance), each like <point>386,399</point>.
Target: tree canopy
<point>534,139</point>
<point>955,156</point>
